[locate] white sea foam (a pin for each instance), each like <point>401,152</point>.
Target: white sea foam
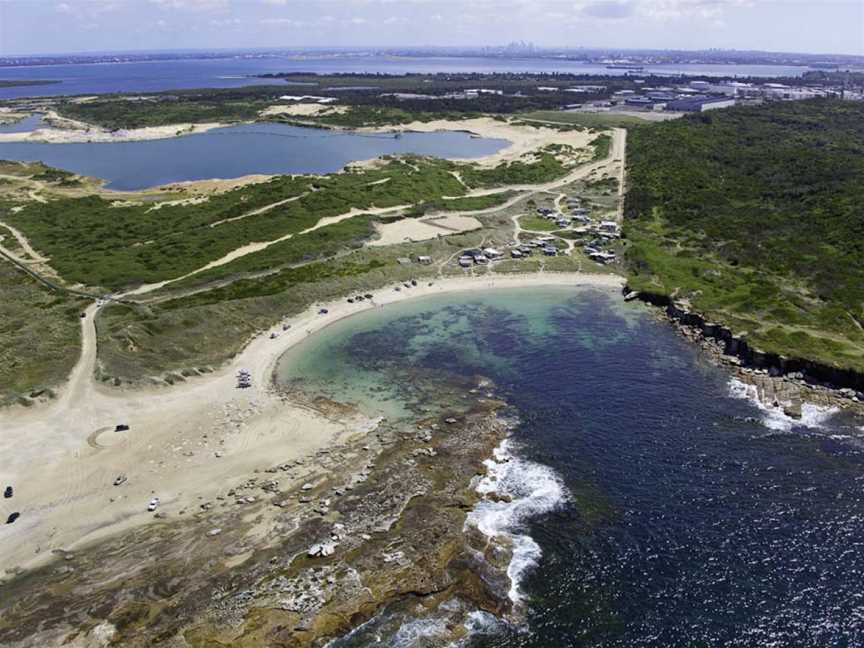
<point>812,416</point>
<point>533,489</point>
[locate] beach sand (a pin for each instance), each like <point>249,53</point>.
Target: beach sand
<point>62,130</point>
<point>186,443</point>
<point>523,138</point>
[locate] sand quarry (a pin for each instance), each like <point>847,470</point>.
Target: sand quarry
<point>185,443</point>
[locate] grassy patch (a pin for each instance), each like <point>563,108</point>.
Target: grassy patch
<point>468,203</point>
<point>537,224</point>
<point>753,215</point>
<point>40,337</point>
<point>545,169</point>
<point>587,120</point>
<point>94,242</point>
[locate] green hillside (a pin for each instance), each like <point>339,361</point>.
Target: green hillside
<point>755,216</point>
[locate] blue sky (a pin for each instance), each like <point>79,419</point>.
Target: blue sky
<point>49,26</point>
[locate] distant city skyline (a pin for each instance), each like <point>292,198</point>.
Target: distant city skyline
<point>29,27</point>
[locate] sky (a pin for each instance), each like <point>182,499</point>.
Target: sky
<point>61,26</point>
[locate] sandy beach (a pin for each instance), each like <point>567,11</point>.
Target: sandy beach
<point>185,443</point>
<point>69,131</point>
<point>522,139</point>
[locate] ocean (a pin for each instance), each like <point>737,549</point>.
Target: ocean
<point>650,501</point>
<point>155,76</point>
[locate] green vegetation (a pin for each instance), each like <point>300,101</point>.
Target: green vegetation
<point>360,116</point>
<point>537,224</point>
<point>326,241</point>
<point>13,83</point>
<point>603,185</point>
<point>180,107</point>
<point>195,331</point>
<point>754,215</point>
<point>516,172</point>
<point>98,242</point>
<point>584,119</point>
<point>39,334</point>
<point>602,146</point>
<point>57,176</point>
<point>468,203</point>
<point>93,241</point>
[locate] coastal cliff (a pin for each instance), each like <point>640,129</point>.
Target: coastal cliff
<point>735,349</point>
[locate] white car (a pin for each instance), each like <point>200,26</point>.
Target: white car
<point>154,503</point>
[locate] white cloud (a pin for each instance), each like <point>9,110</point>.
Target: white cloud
<point>657,9</point>
<point>283,22</point>
<point>192,5</point>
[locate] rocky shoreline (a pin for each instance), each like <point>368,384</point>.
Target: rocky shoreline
<point>780,383</point>
<point>378,520</point>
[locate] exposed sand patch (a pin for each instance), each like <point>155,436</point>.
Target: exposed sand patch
<point>68,131</point>
<point>251,248</point>
<point>415,229</point>
<point>523,139</point>
<point>303,110</point>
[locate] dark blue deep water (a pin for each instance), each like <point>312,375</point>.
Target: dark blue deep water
<point>154,76</point>
<point>236,151</point>
<point>687,520</point>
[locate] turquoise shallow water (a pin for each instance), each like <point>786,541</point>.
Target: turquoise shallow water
<point>654,507</point>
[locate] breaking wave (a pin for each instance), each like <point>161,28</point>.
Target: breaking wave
<point>812,416</point>
<point>532,489</point>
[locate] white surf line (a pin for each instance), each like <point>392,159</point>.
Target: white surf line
<point>774,418</point>
<point>251,248</point>
<point>531,489</point>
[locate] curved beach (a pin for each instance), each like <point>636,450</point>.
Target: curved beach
<point>187,442</point>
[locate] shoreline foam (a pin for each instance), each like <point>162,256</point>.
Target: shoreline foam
<point>531,490</point>
<point>812,416</point>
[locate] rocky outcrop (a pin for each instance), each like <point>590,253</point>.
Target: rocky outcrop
<point>849,383</point>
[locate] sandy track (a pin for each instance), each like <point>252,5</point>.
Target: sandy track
<point>251,248</point>
<point>64,484</point>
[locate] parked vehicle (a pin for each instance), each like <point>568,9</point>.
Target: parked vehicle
<point>12,517</point>
<point>8,492</point>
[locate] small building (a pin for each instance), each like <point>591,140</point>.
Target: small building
<point>699,104</point>
<point>466,261</point>
<point>550,250</point>
<point>492,253</point>
<point>424,260</point>
<point>609,226</point>
<point>481,259</point>
<point>403,261</point>
<point>602,257</point>
<point>516,254</point>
